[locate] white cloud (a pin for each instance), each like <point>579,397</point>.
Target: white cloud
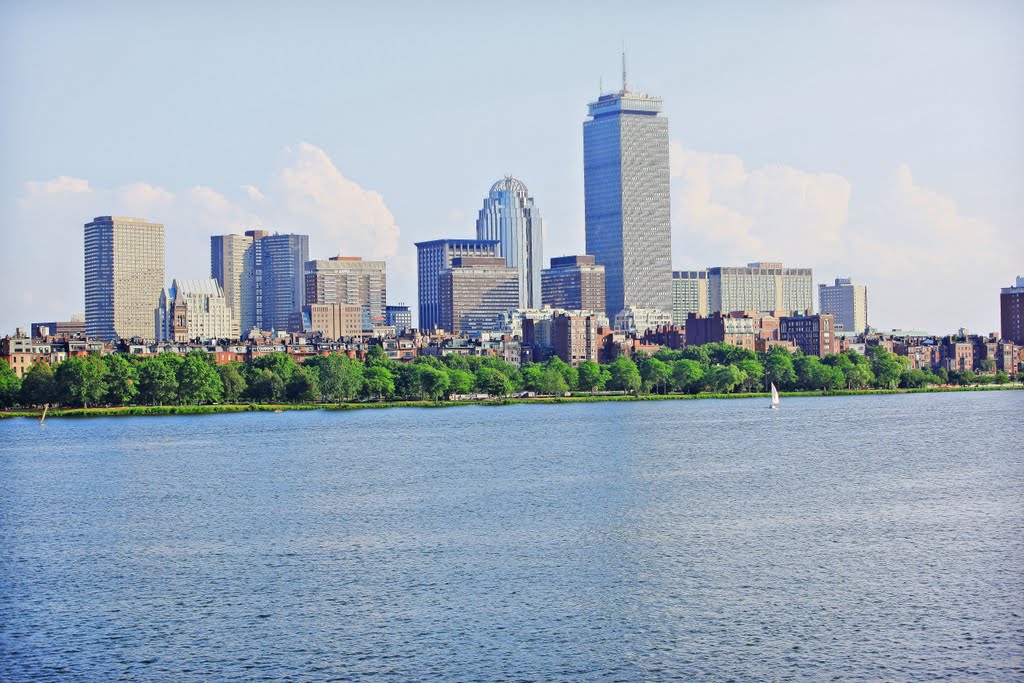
<point>306,194</point>
<point>925,263</point>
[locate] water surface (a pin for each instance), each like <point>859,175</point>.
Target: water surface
<point>852,538</point>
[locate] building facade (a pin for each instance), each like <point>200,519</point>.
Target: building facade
<point>575,283</point>
<point>847,302</point>
<point>349,280</point>
<point>812,334</point>
<point>124,275</point>
<point>66,330</point>
<point>1011,312</point>
<point>399,317</point>
<point>431,258</point>
<point>333,321</point>
<point>193,309</point>
<point>735,330</point>
<point>510,217</point>
<point>575,337</point>
<point>475,293</point>
<point>690,294</point>
<point>279,290</point>
<point>626,197</point>
<point>233,266</point>
<point>639,320</point>
<point>761,287</point>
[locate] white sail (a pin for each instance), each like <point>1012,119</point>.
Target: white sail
<point>775,396</point>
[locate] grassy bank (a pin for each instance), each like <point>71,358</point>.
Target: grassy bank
<point>576,398</point>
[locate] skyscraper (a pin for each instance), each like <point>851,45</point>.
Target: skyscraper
<point>431,258</point>
<point>232,266</point>
<point>280,290</point>
<point>193,309</point>
<point>575,283</point>
<point>510,217</point>
<point>626,187</point>
<point>1011,312</point>
<point>349,280</point>
<point>475,292</point>
<point>124,276</point>
<point>689,294</point>
<point>761,287</point>
<point>847,303</point>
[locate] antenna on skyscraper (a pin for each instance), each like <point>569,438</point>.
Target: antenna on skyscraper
<point>625,87</point>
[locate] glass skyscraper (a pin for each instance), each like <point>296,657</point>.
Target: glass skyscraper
<point>510,217</point>
<point>431,258</point>
<point>626,187</point>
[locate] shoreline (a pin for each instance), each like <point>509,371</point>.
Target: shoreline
<point>130,411</point>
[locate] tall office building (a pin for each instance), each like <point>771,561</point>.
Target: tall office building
<point>349,280</point>
<point>690,294</point>
<point>124,275</point>
<point>575,283</point>
<point>510,217</point>
<point>847,303</point>
<point>431,258</point>
<point>232,266</point>
<point>1011,312</point>
<point>399,317</point>
<point>475,294</point>
<point>626,187</point>
<point>761,287</point>
<point>280,290</point>
<point>193,309</point>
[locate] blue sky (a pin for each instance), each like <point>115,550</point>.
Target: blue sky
<point>877,140</point>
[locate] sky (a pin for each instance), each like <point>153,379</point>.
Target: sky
<point>877,140</point>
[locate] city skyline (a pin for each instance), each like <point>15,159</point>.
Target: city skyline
<point>824,167</point>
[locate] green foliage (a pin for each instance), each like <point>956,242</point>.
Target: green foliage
<point>80,380</point>
<point>198,382</point>
<point>231,381</point>
<point>988,365</point>
<point>266,386</point>
<point>698,354</point>
<point>122,380</point>
<point>340,376</point>
<point>725,378</point>
<point>687,376</point>
<point>378,382</point>
<point>1001,377</point>
<point>377,357</point>
<point>532,374</point>
<point>816,376</point>
<point>304,386</point>
<point>655,375</point>
<point>590,376</point>
<point>38,387</point>
<point>488,380</point>
<point>10,385</point>
<point>460,381</point>
<point>158,380</point>
<point>278,362</point>
<point>754,372</point>
<point>552,382</point>
<point>435,381</point>
<point>625,376</point>
<point>886,367</point>
<point>778,368</point>
<point>570,375</point>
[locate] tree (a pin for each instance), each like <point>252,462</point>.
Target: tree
<point>492,382</point>
<point>698,354</point>
<point>655,374</point>
<point>778,368</point>
<point>460,381</point>
<point>377,357</point>
<point>725,378</point>
<point>232,381</point>
<point>435,381</point>
<point>267,387</point>
<point>988,365</point>
<point>625,376</point>
<point>887,368</point>
<point>570,374</point>
<point>754,371</point>
<point>687,375</point>
<point>122,379</point>
<point>38,386</point>
<point>1002,377</point>
<point>278,362</point>
<point>552,382</point>
<point>532,374</point>
<point>340,376</point>
<point>158,382</point>
<point>589,377</point>
<point>303,387</point>
<point>10,385</point>
<point>198,382</point>
<point>80,380</point>
<point>378,382</point>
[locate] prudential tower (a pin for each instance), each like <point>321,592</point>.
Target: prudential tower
<point>626,187</point>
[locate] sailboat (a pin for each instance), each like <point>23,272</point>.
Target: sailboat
<point>775,397</point>
<point>42,417</point>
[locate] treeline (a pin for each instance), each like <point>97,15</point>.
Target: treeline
<point>169,379</point>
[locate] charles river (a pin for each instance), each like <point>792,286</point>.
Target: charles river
<point>858,538</point>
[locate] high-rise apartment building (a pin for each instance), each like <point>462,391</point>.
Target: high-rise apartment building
<point>193,309</point>
<point>847,303</point>
<point>626,188</point>
<point>232,265</point>
<point>690,294</point>
<point>575,337</point>
<point>812,334</point>
<point>434,256</point>
<point>575,283</point>
<point>349,280</point>
<point>510,217</point>
<point>761,287</point>
<point>124,275</point>
<point>1011,312</point>
<point>476,292</point>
